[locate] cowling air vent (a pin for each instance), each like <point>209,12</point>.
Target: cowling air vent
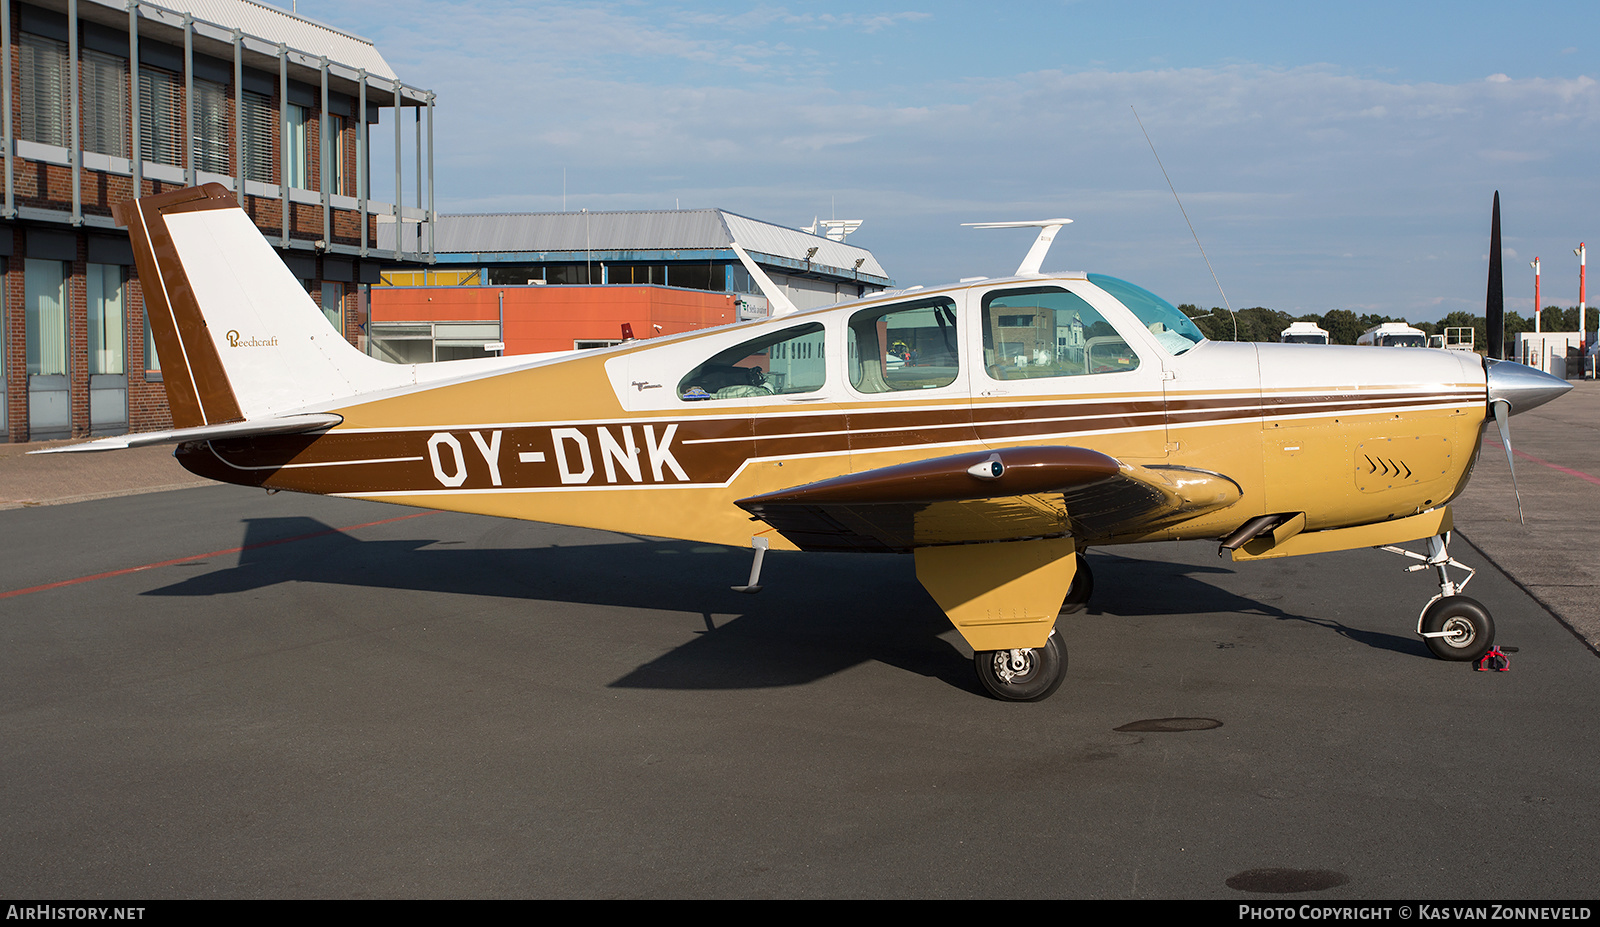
<point>1385,463</point>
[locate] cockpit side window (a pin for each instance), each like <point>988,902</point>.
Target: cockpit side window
<point>781,363</point>
<point>904,346</point>
<point>1049,332</point>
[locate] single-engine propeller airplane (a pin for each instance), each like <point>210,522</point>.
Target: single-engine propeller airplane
<point>993,429</point>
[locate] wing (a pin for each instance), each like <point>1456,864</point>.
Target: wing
<point>986,496</point>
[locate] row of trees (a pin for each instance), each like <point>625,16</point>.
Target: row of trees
<point>1344,326</point>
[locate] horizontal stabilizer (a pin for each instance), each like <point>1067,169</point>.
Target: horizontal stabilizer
<point>284,425</point>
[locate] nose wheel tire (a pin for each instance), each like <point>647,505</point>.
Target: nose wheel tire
<point>1024,675</point>
<point>1081,589</point>
<point>1458,628</point>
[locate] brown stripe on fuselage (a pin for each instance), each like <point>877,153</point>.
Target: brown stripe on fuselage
<point>708,450</point>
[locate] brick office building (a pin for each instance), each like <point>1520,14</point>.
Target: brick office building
<point>102,98</point>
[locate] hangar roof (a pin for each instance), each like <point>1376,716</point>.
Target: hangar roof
<point>642,235</point>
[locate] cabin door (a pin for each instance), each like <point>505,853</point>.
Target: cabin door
<point>908,368</point>
<point>1064,364</point>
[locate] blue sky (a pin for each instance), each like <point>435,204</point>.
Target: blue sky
<point>1330,155</point>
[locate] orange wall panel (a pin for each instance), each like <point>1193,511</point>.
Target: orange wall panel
<point>551,318</point>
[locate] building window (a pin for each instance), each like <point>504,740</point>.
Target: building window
<point>298,165</point>
<point>333,304</point>
<point>208,144</point>
<point>512,275</point>
<point>105,101</point>
<point>636,273</point>
<point>160,117</point>
<point>5,265</point>
<point>336,172</point>
<point>44,89</point>
<point>107,328</point>
<point>257,137</point>
<point>697,276</point>
<point>152,360</point>
<point>45,288</point>
<point>572,274</point>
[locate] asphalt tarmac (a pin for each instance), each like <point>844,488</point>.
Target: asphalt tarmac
<point>216,693</point>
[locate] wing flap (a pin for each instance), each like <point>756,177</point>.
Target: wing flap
<point>981,497</point>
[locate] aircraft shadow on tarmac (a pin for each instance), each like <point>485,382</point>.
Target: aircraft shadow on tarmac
<point>820,613</point>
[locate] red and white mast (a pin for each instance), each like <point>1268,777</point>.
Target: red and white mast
<point>1583,294</point>
<point>1536,310</point>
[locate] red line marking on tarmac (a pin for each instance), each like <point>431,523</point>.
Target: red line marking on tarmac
<point>215,553</point>
<point>1545,463</point>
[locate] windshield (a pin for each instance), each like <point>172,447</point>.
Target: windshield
<point>1403,341</point>
<point>1172,329</point>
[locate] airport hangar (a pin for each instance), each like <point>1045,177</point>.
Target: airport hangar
<point>534,282</point>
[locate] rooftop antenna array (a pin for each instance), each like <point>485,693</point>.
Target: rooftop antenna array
<point>839,229</point>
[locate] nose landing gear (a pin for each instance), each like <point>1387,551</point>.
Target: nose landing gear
<point>1454,626</point>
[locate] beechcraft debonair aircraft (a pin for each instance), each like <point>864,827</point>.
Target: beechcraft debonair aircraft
<point>993,429</point>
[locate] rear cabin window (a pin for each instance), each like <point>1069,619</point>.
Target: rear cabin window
<point>1049,332</point>
<point>781,363</point>
<point>904,347</point>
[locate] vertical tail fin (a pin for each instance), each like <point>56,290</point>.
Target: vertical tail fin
<point>238,336</point>
<point>198,392</point>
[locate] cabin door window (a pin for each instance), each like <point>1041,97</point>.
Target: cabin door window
<point>1049,332</point>
<point>910,346</point>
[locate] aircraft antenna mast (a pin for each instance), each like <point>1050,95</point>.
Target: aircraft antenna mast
<point>1034,259</point>
<point>1191,224</point>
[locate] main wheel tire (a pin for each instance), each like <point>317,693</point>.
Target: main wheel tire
<point>1030,676</point>
<point>1468,629</point>
<point>1081,589</point>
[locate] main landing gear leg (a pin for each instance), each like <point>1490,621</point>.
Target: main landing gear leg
<point>1004,599</point>
<point>1455,627</point>
<point>1082,587</point>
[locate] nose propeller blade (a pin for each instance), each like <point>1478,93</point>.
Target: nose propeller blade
<point>1502,419</point>
<point>1515,388</point>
